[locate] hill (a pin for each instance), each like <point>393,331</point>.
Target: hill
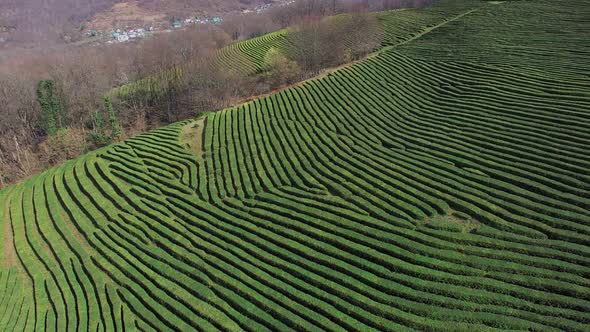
<point>26,22</point>
<point>441,184</point>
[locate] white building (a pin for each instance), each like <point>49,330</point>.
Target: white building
<point>121,38</point>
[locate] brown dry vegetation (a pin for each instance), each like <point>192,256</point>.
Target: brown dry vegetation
<point>8,253</point>
<point>46,22</point>
<point>83,76</point>
<point>125,13</point>
<point>191,136</point>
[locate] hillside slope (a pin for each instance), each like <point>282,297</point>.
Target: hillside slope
<point>25,22</point>
<point>442,184</point>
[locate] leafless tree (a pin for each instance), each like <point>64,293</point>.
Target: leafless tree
<point>316,44</point>
<point>363,32</point>
<point>17,128</point>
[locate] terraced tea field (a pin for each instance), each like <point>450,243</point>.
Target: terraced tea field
<point>247,57</point>
<point>442,184</point>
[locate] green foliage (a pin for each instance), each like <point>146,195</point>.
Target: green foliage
<point>411,191</point>
<point>99,136</point>
<point>53,116</point>
<point>113,119</point>
<point>274,58</point>
<point>279,69</point>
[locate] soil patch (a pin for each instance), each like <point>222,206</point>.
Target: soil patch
<point>125,13</point>
<point>8,253</point>
<point>191,137</point>
<point>453,221</point>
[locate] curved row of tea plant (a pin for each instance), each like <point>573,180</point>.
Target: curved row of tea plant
<point>411,191</point>
<point>248,57</point>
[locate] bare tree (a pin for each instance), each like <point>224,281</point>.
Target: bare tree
<point>316,44</point>
<point>362,31</point>
<point>280,70</point>
<point>18,128</point>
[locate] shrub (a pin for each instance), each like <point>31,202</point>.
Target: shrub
<point>65,144</point>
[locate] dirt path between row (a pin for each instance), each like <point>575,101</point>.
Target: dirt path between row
<point>8,253</point>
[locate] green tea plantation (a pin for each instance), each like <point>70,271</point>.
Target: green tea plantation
<point>442,184</point>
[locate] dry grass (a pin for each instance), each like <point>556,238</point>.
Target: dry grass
<point>453,221</point>
<point>126,13</point>
<point>8,253</point>
<point>191,136</point>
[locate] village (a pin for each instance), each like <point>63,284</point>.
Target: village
<point>122,35</point>
<point>129,34</point>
